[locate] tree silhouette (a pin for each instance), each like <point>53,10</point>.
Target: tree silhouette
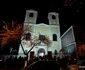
<point>10,33</point>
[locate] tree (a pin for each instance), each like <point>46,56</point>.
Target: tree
<point>11,33</point>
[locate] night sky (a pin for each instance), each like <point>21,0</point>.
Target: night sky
<point>71,12</point>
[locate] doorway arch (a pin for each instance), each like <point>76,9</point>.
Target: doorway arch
<point>41,52</point>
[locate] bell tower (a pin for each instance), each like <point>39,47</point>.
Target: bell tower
<point>31,17</point>
<point>30,20</point>
<point>29,28</point>
<point>53,19</point>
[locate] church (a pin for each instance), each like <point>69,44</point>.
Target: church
<point>44,37</point>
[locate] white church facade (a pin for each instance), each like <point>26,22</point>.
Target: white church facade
<point>51,30</point>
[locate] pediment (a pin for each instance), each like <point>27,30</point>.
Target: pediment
<point>42,24</point>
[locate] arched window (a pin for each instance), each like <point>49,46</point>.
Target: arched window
<point>41,52</point>
<point>53,17</point>
<point>55,52</point>
<point>28,36</point>
<point>41,37</point>
<point>54,37</point>
<point>31,15</point>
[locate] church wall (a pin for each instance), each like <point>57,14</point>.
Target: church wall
<point>55,44</point>
<point>42,30</point>
<point>49,32</point>
<point>55,30</point>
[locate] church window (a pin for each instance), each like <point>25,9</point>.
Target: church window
<point>55,52</point>
<point>53,17</point>
<point>28,36</point>
<point>54,37</point>
<point>41,52</point>
<point>41,37</point>
<point>31,15</point>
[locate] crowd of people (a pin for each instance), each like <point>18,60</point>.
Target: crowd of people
<point>13,62</point>
<point>19,62</point>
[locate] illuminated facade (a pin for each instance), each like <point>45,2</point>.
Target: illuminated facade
<point>73,39</point>
<point>68,41</point>
<point>51,30</point>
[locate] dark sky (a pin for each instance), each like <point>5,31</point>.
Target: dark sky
<point>71,12</point>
